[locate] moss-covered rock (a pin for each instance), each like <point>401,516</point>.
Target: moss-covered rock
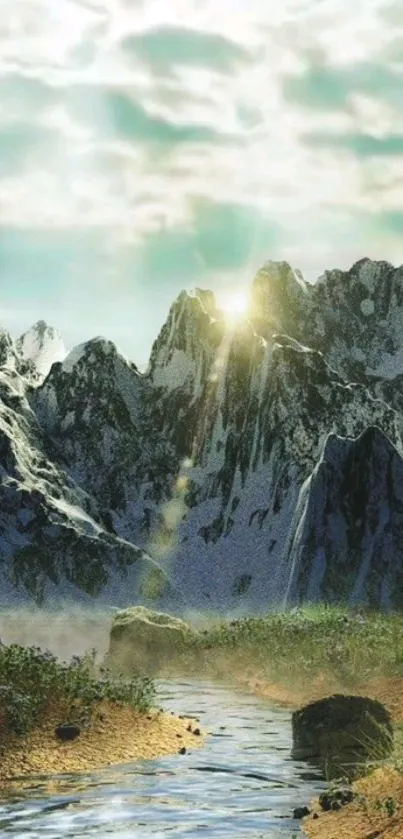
<point>143,640</point>
<point>342,734</point>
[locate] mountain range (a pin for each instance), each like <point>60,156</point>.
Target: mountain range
<point>252,465</point>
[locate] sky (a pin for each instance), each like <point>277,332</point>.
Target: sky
<point>148,146</point>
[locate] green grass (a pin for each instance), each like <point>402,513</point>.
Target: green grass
<point>31,680</point>
<point>335,642</point>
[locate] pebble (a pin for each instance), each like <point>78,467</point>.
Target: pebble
<point>67,731</point>
<point>300,812</point>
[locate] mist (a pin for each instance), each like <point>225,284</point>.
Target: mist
<point>71,630</point>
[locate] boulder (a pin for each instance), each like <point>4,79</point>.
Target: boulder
<point>142,641</point>
<point>342,734</point>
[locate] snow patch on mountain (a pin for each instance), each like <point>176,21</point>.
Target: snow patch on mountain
<point>43,345</point>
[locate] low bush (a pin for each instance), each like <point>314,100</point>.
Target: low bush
<point>33,680</point>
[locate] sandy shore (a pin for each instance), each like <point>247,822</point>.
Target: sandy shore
<point>116,734</point>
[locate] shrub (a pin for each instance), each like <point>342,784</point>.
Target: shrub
<point>32,679</point>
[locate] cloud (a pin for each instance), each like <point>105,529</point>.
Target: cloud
<point>326,87</point>
<point>390,222</point>
<point>234,236</point>
<point>164,47</point>
<point>23,142</point>
<point>117,113</point>
<point>22,95</point>
<point>361,145</point>
<point>220,238</point>
<point>150,147</point>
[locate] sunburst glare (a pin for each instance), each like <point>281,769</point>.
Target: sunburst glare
<point>234,304</point>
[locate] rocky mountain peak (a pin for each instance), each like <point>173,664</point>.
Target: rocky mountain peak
<point>90,354</point>
<point>94,383</point>
<point>7,349</point>
<point>366,277</point>
<point>280,298</point>
<point>43,345</point>
<point>183,353</point>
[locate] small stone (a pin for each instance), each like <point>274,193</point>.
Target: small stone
<point>315,816</point>
<point>197,732</point>
<point>189,728</point>
<point>336,799</point>
<point>182,751</point>
<point>300,812</point>
<point>179,735</point>
<point>67,731</point>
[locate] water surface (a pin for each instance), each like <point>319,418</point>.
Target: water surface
<point>243,783</point>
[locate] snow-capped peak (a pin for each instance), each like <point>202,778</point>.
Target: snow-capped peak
<point>43,345</point>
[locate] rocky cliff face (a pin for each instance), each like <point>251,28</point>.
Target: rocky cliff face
<point>256,464</point>
<point>346,533</point>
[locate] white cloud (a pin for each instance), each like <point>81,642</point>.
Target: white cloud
<point>132,137</point>
<point>259,160</point>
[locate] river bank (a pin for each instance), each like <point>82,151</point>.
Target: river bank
<point>377,810</point>
<point>58,716</point>
<point>116,734</point>
<point>289,659</point>
<point>304,655</point>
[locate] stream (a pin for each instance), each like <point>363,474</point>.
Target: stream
<point>243,783</point>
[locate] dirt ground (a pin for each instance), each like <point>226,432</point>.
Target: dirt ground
<point>117,734</point>
<point>368,819</point>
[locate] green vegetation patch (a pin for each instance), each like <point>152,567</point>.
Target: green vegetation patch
<point>33,680</point>
<point>348,645</point>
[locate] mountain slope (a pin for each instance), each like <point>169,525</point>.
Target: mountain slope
<point>53,540</point>
<point>268,435</point>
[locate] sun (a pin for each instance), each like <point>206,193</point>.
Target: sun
<point>234,305</point>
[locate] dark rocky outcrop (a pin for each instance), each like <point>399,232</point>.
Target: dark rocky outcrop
<point>336,798</point>
<point>342,734</point>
